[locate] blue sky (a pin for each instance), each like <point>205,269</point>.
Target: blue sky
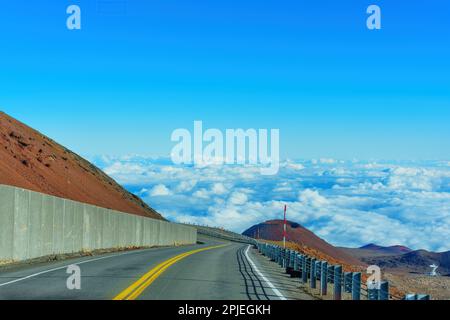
<point>124,82</point>
<point>336,90</point>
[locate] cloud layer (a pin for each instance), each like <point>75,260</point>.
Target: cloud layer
<point>347,203</point>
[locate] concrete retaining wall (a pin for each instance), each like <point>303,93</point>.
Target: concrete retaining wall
<point>34,225</point>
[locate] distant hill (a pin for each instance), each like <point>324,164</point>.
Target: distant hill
<point>273,230</point>
<point>401,258</point>
<point>30,160</point>
<point>415,261</point>
<point>373,250</point>
<point>392,249</point>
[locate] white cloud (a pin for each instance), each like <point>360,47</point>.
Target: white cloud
<point>186,185</point>
<point>312,198</point>
<point>143,192</point>
<point>282,187</point>
<point>202,194</point>
<point>327,161</point>
<point>219,188</point>
<point>350,204</point>
<point>160,190</point>
<point>238,198</point>
<point>294,166</point>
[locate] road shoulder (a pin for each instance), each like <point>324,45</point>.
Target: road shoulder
<point>289,287</point>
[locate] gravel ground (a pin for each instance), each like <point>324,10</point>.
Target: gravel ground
<point>437,287</point>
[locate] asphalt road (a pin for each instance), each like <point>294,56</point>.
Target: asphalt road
<point>216,270</point>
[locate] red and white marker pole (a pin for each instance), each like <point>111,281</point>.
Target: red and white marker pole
<point>284,228</point>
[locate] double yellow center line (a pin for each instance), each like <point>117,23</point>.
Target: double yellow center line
<point>136,289</point>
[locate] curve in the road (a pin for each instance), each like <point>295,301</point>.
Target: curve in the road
<point>136,289</point>
<point>195,272</point>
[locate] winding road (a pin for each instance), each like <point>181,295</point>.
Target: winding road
<point>212,270</point>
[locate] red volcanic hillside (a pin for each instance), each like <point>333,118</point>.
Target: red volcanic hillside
<point>273,230</point>
<point>32,161</point>
<point>392,249</point>
<point>373,250</point>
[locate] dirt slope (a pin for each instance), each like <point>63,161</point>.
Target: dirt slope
<point>33,161</point>
<point>416,261</point>
<point>373,250</point>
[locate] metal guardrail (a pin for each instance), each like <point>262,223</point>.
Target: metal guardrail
<point>223,234</point>
<point>312,270</point>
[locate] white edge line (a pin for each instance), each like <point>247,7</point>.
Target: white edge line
<point>65,267</point>
<point>275,290</point>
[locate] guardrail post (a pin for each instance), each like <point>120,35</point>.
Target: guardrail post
<point>323,278</point>
<point>279,255</point>
<point>308,263</point>
<point>330,275</point>
<point>338,283</point>
<point>304,270</point>
<point>296,258</point>
<point>356,286</point>
<point>318,269</point>
<point>347,282</point>
<point>384,290</point>
<point>289,259</point>
<point>292,259</point>
<point>372,293</point>
<point>312,276</point>
<point>282,260</point>
<point>300,262</point>
<point>373,290</point>
<point>412,296</point>
<point>286,258</point>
